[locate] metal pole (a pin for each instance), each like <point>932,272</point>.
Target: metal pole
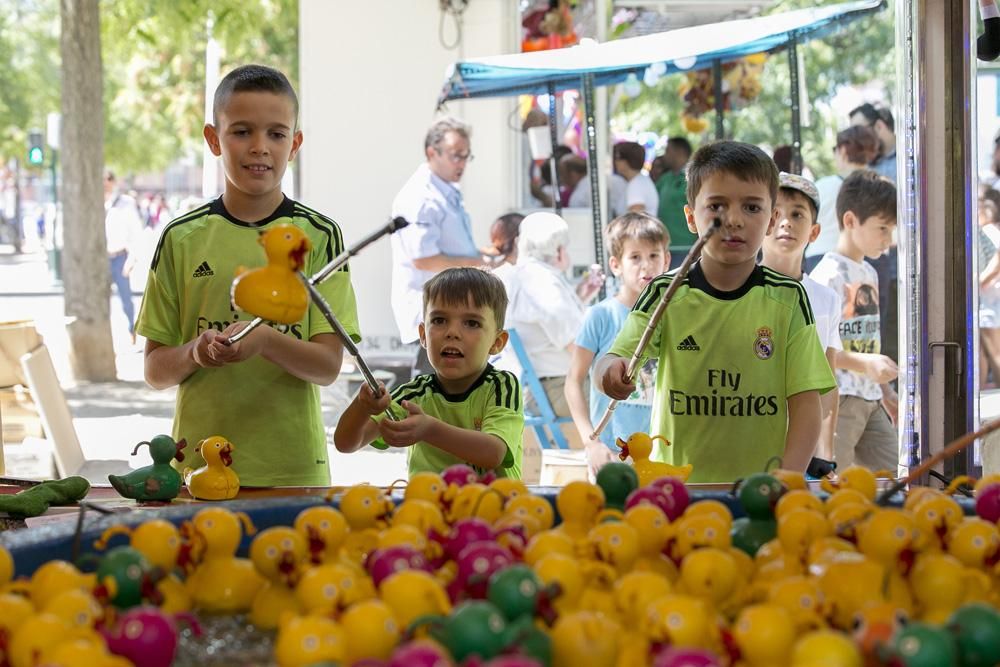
<point>595,188</point>
<point>720,119</point>
<point>793,71</point>
<point>554,138</point>
<point>56,252</point>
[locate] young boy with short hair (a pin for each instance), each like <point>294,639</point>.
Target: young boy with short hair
<point>866,214</point>
<point>466,411</point>
<point>638,247</point>
<point>261,392</point>
<point>740,364</point>
<point>798,225</point>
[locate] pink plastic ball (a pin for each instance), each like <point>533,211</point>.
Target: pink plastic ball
<point>685,657</point>
<point>459,475</point>
<point>144,635</point>
<point>675,489</point>
<point>420,654</point>
<point>385,562</point>
<point>988,503</point>
<point>653,496</point>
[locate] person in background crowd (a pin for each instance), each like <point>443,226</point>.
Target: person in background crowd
<point>989,288</point>
<point>503,236</point>
<point>439,235</point>
<point>544,307</point>
<point>880,120</point>
<point>640,193</point>
<point>672,188</point>
<point>122,227</point>
<point>856,147</point>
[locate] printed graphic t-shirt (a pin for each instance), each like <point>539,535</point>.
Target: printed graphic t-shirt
<point>856,283</point>
<point>272,417</point>
<point>728,361</point>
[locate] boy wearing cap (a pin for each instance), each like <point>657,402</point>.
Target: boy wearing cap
<point>797,226</point>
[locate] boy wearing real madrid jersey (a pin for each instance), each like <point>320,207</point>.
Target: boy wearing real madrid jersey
<point>466,411</point>
<point>261,392</point>
<point>740,365</point>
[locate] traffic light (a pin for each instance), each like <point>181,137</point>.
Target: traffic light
<point>36,153</point>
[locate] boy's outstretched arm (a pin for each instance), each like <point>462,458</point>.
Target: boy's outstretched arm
<point>355,429</point>
<point>579,362</point>
<point>804,417</point>
<point>609,377</point>
<point>484,450</point>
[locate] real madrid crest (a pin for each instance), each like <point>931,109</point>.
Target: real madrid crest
<point>763,347</point>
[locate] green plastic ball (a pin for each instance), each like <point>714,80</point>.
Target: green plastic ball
<point>922,645</point>
<point>514,591</point>
<point>474,628</point>
<point>749,535</point>
<point>976,628</point>
<point>758,495</point>
<point>617,480</point>
<point>128,568</point>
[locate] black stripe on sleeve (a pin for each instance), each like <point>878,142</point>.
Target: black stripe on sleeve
<point>774,279</point>
<point>651,295</point>
<point>187,217</point>
<point>412,389</point>
<point>335,239</point>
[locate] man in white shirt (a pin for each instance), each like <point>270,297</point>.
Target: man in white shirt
<point>122,227</point>
<point>439,235</point>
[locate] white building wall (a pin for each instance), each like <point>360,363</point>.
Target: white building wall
<point>370,76</point>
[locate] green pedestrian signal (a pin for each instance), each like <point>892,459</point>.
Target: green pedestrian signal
<point>36,153</point>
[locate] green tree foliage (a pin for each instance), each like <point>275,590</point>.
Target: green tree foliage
<point>859,53</point>
<point>154,69</point>
<point>29,81</point>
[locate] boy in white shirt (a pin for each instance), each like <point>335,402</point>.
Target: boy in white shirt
<point>798,206</point>
<point>866,214</point>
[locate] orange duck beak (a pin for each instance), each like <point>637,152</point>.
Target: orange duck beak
<point>226,455</point>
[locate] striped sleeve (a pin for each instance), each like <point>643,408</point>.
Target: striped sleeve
<point>801,298</point>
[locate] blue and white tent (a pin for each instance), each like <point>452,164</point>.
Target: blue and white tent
<point>695,47</point>
<point>590,64</point>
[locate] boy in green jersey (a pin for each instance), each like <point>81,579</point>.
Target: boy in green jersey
<point>740,364</point>
<point>261,392</point>
<point>466,411</point>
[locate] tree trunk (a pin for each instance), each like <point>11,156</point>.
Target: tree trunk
<point>86,275</point>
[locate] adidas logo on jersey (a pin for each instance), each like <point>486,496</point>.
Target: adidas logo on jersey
<point>689,344</point>
<point>203,271</point>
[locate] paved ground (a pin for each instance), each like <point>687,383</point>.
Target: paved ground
<point>110,418</point>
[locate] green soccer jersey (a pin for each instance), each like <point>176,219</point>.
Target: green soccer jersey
<point>728,361</point>
<point>272,418</point>
<point>491,405</point>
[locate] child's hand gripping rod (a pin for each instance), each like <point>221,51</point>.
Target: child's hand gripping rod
<point>394,225</point>
<point>654,319</point>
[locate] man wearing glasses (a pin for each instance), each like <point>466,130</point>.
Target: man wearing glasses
<point>882,123</point>
<point>440,233</point>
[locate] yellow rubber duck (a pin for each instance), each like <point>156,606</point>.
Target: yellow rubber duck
<point>639,446</point>
<point>223,583</point>
<point>215,480</point>
<point>274,292</point>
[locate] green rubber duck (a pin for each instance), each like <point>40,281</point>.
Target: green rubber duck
<point>153,482</point>
<point>758,494</point>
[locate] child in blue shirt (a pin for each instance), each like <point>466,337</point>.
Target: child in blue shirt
<point>638,246</point>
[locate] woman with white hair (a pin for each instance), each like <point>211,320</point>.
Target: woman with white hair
<point>543,306</point>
